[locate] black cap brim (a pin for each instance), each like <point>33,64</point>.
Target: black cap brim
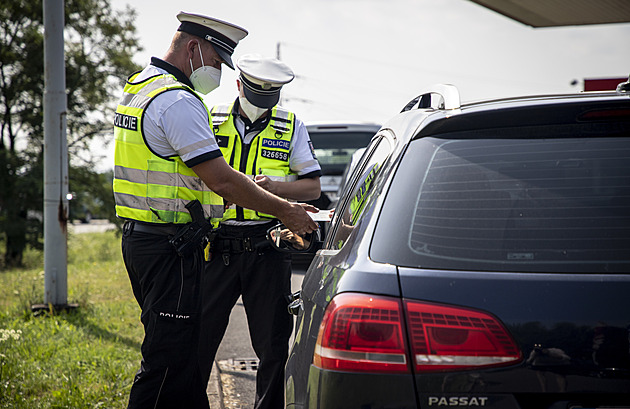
<point>225,56</point>
<point>268,100</point>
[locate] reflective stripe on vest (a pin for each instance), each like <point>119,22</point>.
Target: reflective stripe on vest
<point>147,187</point>
<point>358,201</point>
<point>269,154</point>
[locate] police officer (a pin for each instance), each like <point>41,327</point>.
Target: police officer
<point>271,146</point>
<point>166,158</point>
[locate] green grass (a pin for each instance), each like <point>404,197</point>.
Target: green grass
<point>85,358</point>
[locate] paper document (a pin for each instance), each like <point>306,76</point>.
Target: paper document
<point>322,215</point>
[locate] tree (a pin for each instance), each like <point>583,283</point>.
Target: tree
<point>99,45</point>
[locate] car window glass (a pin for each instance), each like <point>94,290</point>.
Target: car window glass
<point>536,205</point>
<point>362,183</point>
<point>334,149</point>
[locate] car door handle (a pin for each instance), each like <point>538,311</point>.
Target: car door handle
<point>295,303</point>
<point>295,307</point>
<point>294,296</point>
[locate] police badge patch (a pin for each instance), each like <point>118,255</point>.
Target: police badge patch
<point>310,145</point>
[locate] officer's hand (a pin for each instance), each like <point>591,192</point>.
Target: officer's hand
<point>296,241</point>
<point>264,182</point>
<point>297,219</point>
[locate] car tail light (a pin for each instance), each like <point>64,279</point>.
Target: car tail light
<point>453,338</point>
<point>362,333</point>
<point>365,333</point>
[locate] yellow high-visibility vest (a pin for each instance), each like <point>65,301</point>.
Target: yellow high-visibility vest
<point>149,188</point>
<point>267,154</point>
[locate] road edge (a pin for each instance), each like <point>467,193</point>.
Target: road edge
<point>215,388</point>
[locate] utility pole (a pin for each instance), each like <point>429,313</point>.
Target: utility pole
<point>280,102</point>
<point>55,161</point>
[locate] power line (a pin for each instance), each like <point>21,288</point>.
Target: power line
<point>415,70</point>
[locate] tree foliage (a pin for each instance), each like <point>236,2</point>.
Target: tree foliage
<point>99,45</point>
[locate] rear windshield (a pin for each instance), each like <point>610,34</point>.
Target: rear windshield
<point>334,149</point>
<point>542,205</point>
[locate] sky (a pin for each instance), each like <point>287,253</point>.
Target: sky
<point>363,60</point>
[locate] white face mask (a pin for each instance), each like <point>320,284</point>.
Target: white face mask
<point>204,78</point>
<point>252,111</point>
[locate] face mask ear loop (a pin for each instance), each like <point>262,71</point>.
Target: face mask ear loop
<point>201,55</point>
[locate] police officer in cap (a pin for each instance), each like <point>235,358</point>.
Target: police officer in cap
<point>271,146</point>
<point>167,158</point>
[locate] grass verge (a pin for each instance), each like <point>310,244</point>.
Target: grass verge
<point>84,358</point>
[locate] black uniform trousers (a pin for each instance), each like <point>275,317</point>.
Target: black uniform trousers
<point>166,286</point>
<point>262,276</point>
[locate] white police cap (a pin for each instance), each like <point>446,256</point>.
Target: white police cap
<point>222,35</point>
<point>262,79</point>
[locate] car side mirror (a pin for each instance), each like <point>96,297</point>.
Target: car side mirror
<point>283,239</point>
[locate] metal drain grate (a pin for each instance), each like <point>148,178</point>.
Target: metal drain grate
<point>239,364</point>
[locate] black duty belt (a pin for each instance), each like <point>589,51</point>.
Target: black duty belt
<point>239,239</point>
<point>158,229</point>
<point>224,246</point>
<point>238,245</point>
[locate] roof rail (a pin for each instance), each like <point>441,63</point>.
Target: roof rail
<point>449,98</point>
<point>624,87</point>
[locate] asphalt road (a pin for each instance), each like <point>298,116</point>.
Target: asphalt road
<point>236,361</point>
<point>94,226</point>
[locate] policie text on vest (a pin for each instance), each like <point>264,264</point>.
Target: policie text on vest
<point>126,121</point>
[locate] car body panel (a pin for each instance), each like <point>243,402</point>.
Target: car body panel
<point>328,275</point>
<point>581,344</point>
